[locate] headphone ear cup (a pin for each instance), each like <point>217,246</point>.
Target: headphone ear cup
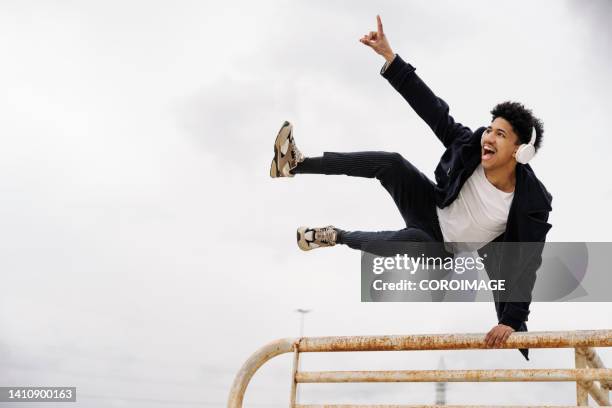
<point>524,153</point>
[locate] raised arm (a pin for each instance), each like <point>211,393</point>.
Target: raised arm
<point>401,75</point>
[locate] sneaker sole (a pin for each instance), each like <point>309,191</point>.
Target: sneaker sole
<point>273,170</point>
<point>283,135</point>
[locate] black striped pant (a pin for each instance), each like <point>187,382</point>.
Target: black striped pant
<point>411,190</point>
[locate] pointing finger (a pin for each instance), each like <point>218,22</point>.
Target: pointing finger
<point>379,24</point>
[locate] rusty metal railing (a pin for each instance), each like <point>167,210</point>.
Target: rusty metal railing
<point>590,375</point>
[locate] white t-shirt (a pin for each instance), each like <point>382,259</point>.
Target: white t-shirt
<point>477,216</point>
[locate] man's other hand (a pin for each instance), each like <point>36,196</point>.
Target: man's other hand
<point>378,41</point>
<point>498,335</point>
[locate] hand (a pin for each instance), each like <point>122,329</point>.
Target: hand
<point>498,335</point>
<point>378,41</point>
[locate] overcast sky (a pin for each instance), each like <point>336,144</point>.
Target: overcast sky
<point>144,251</point>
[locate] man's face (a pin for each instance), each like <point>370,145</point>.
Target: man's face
<point>499,145</point>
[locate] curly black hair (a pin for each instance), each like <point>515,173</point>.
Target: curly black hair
<point>521,119</point>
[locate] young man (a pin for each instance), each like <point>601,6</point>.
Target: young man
<point>485,192</point>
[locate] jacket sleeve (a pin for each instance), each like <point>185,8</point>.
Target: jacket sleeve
<point>515,312</point>
<point>433,110</point>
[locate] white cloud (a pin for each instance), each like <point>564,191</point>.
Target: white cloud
<point>136,140</point>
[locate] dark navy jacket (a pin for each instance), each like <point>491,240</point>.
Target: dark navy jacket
<point>528,216</point>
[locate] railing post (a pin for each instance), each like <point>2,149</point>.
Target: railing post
<point>594,361</point>
<point>582,395</point>
<point>257,359</point>
<point>600,396</point>
<point>294,385</point>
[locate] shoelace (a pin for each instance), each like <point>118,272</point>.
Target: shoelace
<point>296,155</point>
<point>326,234</point>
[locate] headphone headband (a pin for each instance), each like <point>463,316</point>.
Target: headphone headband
<point>533,136</point>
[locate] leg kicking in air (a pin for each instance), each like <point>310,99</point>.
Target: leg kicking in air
<point>484,191</point>
<point>411,190</point>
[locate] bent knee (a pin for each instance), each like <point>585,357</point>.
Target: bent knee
<point>394,158</point>
<point>392,163</point>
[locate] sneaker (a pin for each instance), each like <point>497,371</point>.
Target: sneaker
<point>286,154</point>
<point>311,238</point>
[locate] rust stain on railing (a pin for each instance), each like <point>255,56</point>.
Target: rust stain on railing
<point>589,372</point>
<point>499,375</point>
<point>585,338</point>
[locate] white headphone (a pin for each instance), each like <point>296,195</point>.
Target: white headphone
<point>525,152</point>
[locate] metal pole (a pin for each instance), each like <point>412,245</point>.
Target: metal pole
<point>600,396</point>
<point>302,324</point>
<point>499,375</point>
<point>249,368</point>
<point>302,313</point>
<point>441,386</point>
<point>594,361</point>
<point>568,339</point>
<point>582,395</point>
<point>296,359</point>
<point>294,385</point>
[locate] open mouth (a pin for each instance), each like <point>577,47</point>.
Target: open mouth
<point>487,152</point>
